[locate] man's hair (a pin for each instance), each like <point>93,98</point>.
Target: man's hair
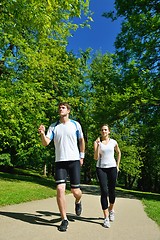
<point>64,104</point>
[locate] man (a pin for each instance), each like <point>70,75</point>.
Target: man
<point>65,134</point>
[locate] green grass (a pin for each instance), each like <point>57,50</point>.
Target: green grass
<point>19,188</point>
<point>151,202</point>
<point>152,208</point>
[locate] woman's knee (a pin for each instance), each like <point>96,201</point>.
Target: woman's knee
<point>104,192</point>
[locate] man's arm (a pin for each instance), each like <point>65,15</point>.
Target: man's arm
<point>45,140</point>
<point>82,149</point>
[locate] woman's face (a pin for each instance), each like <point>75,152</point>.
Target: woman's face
<point>105,131</point>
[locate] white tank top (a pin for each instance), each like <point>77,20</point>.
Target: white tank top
<point>106,157</point>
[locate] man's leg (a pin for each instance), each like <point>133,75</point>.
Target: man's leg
<point>77,193</point>
<point>60,176</point>
<point>74,173</point>
<point>61,200</point>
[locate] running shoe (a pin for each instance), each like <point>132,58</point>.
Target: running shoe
<point>63,226</point>
<point>106,223</point>
<point>111,215</point>
<point>78,208</point>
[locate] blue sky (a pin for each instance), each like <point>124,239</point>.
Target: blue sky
<point>103,31</point>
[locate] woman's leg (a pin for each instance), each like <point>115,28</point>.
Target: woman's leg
<point>112,177</point>
<point>102,177</point>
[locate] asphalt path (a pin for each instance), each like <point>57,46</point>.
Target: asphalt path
<point>39,220</point>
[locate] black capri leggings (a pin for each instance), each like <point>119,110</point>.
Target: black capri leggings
<point>107,179</point>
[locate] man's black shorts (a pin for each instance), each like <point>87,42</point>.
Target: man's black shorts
<point>68,168</point>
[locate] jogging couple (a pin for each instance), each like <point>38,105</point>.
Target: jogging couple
<point>70,157</point>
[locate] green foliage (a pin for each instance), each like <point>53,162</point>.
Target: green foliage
<point>104,79</point>
<point>120,103</point>
<point>137,57</point>
<point>5,159</point>
<point>120,89</point>
<point>36,73</point>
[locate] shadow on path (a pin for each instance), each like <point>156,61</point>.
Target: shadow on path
<point>40,218</point>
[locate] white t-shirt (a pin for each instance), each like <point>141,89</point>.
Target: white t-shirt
<point>106,158</point>
<point>65,138</point>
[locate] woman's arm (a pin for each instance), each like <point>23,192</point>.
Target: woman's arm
<point>118,151</point>
<point>96,148</point>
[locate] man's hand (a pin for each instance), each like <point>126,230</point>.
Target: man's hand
<point>41,129</point>
<point>81,161</point>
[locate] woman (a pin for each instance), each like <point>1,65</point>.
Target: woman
<point>107,168</point>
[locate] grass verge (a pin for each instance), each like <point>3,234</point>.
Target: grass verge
<point>20,188</point>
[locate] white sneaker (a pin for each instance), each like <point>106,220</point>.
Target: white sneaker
<point>111,215</point>
<point>106,223</point>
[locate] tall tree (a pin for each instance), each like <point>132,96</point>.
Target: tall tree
<point>36,71</point>
<point>109,106</point>
<point>137,49</point>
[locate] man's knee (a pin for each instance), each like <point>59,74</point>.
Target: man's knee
<point>61,188</point>
<point>76,192</point>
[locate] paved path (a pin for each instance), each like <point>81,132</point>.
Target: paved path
<point>38,220</point>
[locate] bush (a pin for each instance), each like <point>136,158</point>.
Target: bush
<point>5,160</point>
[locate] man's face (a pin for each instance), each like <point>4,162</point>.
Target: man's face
<point>63,111</point>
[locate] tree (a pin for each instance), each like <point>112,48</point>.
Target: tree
<point>110,105</point>
<point>36,72</point>
<point>137,57</point>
